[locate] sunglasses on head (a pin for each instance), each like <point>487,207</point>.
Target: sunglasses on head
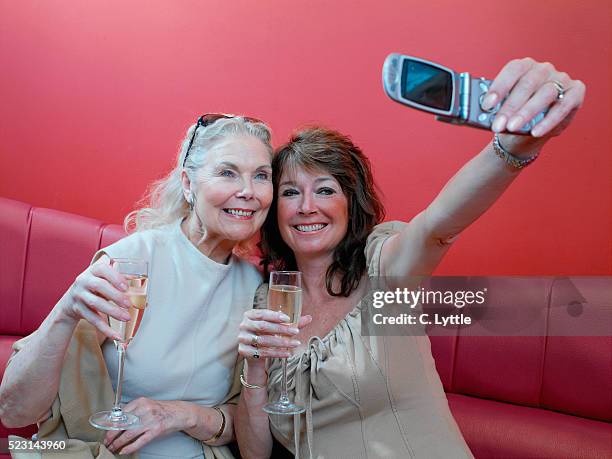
<point>207,120</point>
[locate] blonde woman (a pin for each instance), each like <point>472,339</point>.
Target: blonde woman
<point>180,365</point>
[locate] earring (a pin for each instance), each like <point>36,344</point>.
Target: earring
<point>190,202</point>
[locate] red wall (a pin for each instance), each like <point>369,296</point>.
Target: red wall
<point>95,96</point>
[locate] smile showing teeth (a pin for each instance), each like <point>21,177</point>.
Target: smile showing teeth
<point>309,228</point>
<point>239,213</point>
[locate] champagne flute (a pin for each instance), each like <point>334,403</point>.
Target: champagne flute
<point>136,273</point>
<point>285,295</point>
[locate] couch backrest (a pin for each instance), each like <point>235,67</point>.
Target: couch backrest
<point>43,250</point>
<point>571,374</point>
<point>41,253</point>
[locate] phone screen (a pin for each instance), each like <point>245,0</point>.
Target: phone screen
<point>427,85</point>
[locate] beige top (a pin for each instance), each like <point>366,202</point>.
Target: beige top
<point>365,396</point>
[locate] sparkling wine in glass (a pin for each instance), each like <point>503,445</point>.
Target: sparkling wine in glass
<point>136,273</point>
<point>137,293</point>
<point>285,295</point>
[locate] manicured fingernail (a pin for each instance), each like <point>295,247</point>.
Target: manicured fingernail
<point>295,342</point>
<point>294,331</point>
<point>489,101</point>
<point>499,124</point>
<point>127,303</point>
<point>283,317</point>
<point>537,131</point>
<point>515,123</point>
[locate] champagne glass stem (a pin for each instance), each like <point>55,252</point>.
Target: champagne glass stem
<point>117,411</point>
<point>284,398</point>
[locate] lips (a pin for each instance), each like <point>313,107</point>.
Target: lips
<point>310,228</point>
<point>242,214</point>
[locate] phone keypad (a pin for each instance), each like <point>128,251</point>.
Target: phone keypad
<point>484,87</point>
<point>487,116</point>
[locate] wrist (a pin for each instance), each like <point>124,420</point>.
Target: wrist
<point>521,146</point>
<point>255,372</point>
<point>189,418</point>
<point>63,310</point>
<point>186,416</point>
<point>62,318</point>
<point>218,425</point>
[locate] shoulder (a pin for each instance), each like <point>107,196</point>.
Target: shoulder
<point>247,270</point>
<point>247,278</point>
<point>375,242</point>
<point>140,244</point>
<point>386,229</point>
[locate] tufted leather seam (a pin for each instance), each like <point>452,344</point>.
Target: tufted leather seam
<point>101,233</point>
<point>454,361</point>
<point>455,343</point>
<point>23,273</point>
<point>548,304</point>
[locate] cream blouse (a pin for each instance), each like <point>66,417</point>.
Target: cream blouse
<point>365,396</point>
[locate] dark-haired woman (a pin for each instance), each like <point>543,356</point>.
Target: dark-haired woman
<point>372,396</point>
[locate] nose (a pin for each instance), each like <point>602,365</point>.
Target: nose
<point>246,191</point>
<point>307,205</point>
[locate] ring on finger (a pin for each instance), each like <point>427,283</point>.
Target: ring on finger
<point>256,354</point>
<point>559,87</point>
<point>255,340</point>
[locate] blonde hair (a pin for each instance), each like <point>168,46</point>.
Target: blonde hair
<point>165,203</point>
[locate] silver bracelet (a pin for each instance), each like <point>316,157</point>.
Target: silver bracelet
<point>509,158</point>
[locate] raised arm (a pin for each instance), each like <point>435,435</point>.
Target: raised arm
<point>531,87</point>
<point>31,380</point>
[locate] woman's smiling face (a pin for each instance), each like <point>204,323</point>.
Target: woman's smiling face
<point>234,188</point>
<point>312,211</point>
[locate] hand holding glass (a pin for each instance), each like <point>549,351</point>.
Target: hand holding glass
<point>285,295</point>
<point>136,273</point>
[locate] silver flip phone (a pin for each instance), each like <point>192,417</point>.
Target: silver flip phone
<point>454,97</point>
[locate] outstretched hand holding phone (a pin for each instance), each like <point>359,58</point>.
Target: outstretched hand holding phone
<point>526,97</point>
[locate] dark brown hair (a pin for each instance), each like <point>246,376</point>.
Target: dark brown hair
<point>318,148</point>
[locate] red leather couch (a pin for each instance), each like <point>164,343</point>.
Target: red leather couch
<point>521,397</point>
<point>41,253</point>
<point>544,396</point>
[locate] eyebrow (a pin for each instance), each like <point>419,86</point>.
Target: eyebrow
<point>317,180</point>
<point>234,166</point>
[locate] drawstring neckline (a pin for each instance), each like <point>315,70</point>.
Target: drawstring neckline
<point>299,376</point>
<point>298,392</point>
